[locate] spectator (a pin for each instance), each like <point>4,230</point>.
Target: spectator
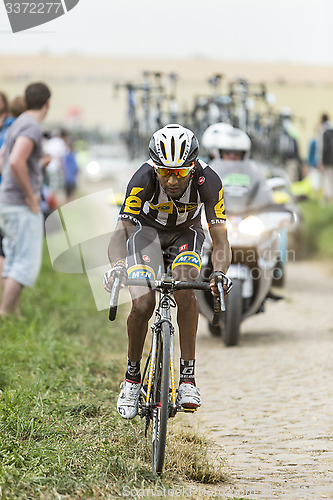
<point>21,219</point>
<point>17,106</point>
<point>313,172</point>
<point>325,155</point>
<point>5,122</point>
<point>71,170</point>
<point>56,147</point>
<point>5,119</point>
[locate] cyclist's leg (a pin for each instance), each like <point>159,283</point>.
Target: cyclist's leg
<point>144,255</point>
<point>186,250</point>
<point>186,267</point>
<point>143,261</point>
<point>137,322</point>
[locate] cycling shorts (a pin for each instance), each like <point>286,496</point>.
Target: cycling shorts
<point>150,253</point>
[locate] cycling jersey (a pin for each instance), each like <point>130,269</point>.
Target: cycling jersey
<point>147,204</point>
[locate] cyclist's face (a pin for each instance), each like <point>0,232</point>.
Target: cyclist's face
<point>232,155</point>
<point>174,186</point>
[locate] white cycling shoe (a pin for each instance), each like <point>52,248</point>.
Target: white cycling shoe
<point>127,404</point>
<point>188,396</point>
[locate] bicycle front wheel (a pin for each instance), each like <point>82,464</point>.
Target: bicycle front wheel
<point>161,396</point>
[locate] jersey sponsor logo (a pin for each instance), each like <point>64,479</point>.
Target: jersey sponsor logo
<point>133,202</point>
<point>183,247</point>
<point>146,258</point>
<point>183,207</point>
<point>163,207</point>
<point>219,207</point>
<point>129,217</point>
<point>187,259</point>
<point>217,221</point>
<point>201,180</point>
<point>140,271</point>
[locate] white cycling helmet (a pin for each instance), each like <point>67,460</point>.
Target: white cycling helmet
<point>212,134</point>
<point>235,139</point>
<point>173,146</point>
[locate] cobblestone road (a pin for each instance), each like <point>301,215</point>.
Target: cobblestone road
<point>268,403</point>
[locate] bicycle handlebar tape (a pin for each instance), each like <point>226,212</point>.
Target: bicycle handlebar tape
<point>217,312</point>
<point>114,299</point>
<point>221,295</point>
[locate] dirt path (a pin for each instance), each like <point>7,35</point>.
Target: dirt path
<point>268,403</point>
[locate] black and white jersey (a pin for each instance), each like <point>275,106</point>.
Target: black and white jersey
<point>146,202</point>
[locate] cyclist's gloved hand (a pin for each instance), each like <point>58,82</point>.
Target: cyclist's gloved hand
<point>217,276</point>
<point>119,269</point>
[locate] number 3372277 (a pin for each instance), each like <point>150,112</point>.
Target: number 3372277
<point>32,8</point>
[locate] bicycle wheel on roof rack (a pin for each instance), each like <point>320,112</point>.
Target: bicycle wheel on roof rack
<point>161,399</point>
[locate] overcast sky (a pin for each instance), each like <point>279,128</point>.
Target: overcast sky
<point>294,31</point>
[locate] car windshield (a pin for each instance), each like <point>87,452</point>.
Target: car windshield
<point>245,187</point>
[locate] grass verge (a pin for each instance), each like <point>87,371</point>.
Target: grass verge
<point>318,228</point>
<point>60,434</point>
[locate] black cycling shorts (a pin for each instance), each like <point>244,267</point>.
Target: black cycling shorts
<point>150,252</point>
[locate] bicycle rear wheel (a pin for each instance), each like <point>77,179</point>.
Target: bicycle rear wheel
<point>161,397</point>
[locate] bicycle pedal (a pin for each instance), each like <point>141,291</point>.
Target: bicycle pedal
<point>189,410</point>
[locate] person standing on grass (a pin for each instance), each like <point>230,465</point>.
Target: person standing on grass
<point>21,219</point>
<point>71,170</point>
<point>5,119</point>
<point>325,155</point>
<point>5,123</point>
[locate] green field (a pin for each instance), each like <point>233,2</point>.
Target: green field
<point>318,228</point>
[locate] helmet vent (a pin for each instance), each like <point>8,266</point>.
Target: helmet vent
<point>163,149</point>
<point>173,148</point>
<point>182,149</point>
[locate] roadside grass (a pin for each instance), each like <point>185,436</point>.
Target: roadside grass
<point>60,434</point>
<point>318,230</point>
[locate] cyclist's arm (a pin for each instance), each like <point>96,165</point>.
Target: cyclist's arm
<point>135,197</point>
<point>118,241</point>
<point>212,192</point>
<point>221,255</point>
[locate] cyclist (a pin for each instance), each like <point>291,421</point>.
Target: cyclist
<point>162,210</point>
<point>224,141</point>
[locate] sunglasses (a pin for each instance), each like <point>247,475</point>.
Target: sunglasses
<point>178,172</point>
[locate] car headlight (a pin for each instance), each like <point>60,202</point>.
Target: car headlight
<point>93,168</point>
<point>251,225</point>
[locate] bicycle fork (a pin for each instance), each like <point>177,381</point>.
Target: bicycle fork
<point>156,331</point>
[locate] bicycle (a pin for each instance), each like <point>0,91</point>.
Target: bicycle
<point>158,395</point>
